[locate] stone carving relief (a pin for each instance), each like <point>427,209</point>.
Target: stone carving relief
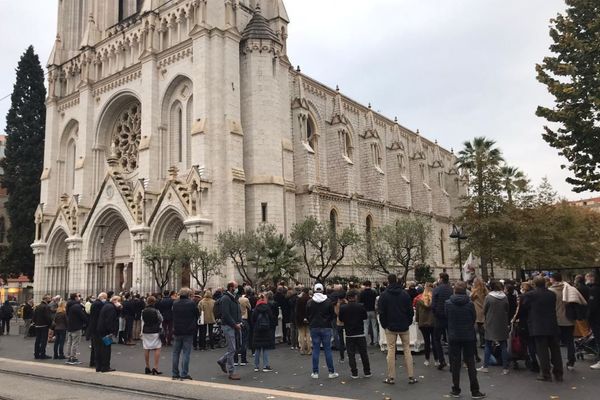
<point>126,138</point>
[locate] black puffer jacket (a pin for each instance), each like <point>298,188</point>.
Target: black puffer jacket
<point>395,309</point>
<point>165,306</point>
<point>185,317</point>
<point>441,293</point>
<point>76,317</point>
<point>152,320</point>
<point>301,313</point>
<point>368,297</point>
<point>461,316</point>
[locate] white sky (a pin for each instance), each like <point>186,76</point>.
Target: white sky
<point>454,69</point>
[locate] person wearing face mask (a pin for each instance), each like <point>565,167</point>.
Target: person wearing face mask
<point>91,332</point>
<point>107,328</point>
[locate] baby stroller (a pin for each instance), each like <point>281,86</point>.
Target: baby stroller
<point>585,345</point>
<point>218,336</point>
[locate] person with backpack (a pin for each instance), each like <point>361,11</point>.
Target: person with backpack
<point>320,314</point>
<point>566,322</point>
<point>227,309</point>
<point>263,340</point>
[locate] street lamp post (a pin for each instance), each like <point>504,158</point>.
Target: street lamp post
<point>458,234</point>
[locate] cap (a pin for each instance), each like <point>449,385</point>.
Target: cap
<point>318,287</point>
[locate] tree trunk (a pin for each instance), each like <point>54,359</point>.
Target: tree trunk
<point>484,270</point>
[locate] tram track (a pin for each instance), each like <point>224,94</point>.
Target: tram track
<point>91,385</point>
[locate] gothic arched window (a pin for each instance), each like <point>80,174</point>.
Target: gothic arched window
<point>346,143</point>
<point>311,134</point>
<point>368,233</point>
<point>70,165</point>
<point>333,220</point>
<point>442,247</point>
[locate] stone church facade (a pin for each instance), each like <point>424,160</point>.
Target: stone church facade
<point>171,119</point>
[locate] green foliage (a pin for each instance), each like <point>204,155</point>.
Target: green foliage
<point>203,263</point>
<point>238,247</point>
<point>166,259</point>
<point>396,248</point>
<point>572,76</point>
<point>275,255</point>
<point>23,164</point>
<point>424,273</point>
<point>321,247</point>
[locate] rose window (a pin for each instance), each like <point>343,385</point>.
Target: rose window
<point>126,137</point>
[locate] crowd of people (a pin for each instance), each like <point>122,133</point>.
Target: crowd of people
<point>511,322</point>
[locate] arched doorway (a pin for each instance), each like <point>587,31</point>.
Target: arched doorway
<point>110,263</point>
<point>57,267</point>
<point>169,227</point>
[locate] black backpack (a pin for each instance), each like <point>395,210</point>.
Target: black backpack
<point>262,321</point>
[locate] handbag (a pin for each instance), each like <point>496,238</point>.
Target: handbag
<point>201,318</point>
<point>516,345</point>
<point>107,340</point>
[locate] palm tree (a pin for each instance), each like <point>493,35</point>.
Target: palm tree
<point>481,159</point>
<point>477,158</point>
<point>513,181</point>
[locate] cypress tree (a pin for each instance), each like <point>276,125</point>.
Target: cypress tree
<point>573,78</point>
<point>23,162</point>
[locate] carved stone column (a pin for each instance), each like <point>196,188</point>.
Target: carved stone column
<point>40,283</point>
<point>141,276</point>
<point>76,281</point>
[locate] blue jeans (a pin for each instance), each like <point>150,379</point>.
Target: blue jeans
<point>227,358</point>
<point>182,344</point>
<point>318,336</point>
<point>265,354</point>
<point>488,353</point>
<point>59,342</point>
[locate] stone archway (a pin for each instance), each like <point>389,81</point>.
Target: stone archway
<point>110,257</point>
<point>169,227</point>
<point>57,266</point>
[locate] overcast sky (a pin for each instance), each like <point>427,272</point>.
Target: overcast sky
<point>454,69</point>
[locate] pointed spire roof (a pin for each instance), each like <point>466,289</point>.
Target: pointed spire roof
<point>259,28</point>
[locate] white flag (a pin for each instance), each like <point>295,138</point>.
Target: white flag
<point>469,268</point>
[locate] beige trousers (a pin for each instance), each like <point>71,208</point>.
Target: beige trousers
<point>304,339</point>
<point>390,338</point>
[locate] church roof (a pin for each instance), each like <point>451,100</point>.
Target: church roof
<point>259,28</point>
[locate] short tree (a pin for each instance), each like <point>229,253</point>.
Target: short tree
<point>396,248</point>
<point>164,260</point>
<point>276,257</point>
<point>203,263</point>
<point>238,247</point>
<point>321,247</point>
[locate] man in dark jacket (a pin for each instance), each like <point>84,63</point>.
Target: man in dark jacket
<point>368,297</point>
<point>76,320</point>
<point>106,328</point>
<point>320,315</point>
<point>543,328</point>
<point>441,293</point>
<point>42,319</point>
<point>27,316</point>
<point>353,315</point>
<point>396,315</point>
<point>593,314</point>
<point>461,317</point>
<point>185,320</point>
<point>128,313</point>
<point>231,321</point>
<point>165,306</point>
<point>138,307</point>
<point>91,332</point>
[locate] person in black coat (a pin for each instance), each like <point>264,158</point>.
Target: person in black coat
<point>165,306</point>
<point>128,313</point>
<point>6,314</point>
<point>441,293</point>
<point>396,315</point>
<point>320,314</point>
<point>91,332</point>
<point>540,305</point>
<point>27,316</point>
<point>264,322</point>
<point>461,316</point>
<point>42,319</point>
<point>593,313</point>
<point>368,297</point>
<point>107,327</point>
<point>76,320</point>
<point>185,320</point>
<point>354,315</point>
